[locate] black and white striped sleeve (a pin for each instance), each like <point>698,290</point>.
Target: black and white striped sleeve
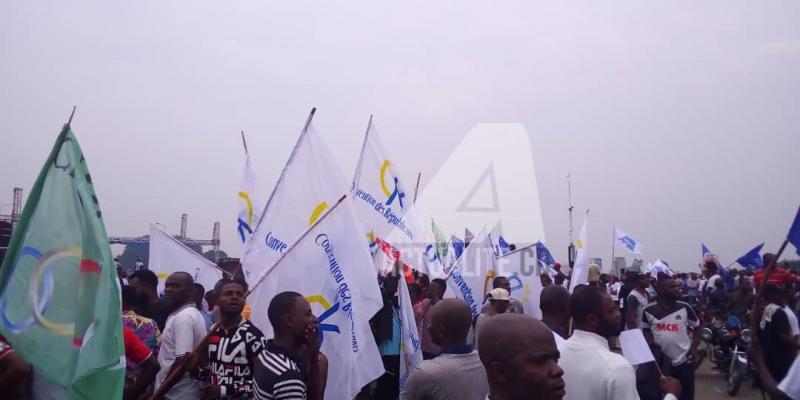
<point>276,377</point>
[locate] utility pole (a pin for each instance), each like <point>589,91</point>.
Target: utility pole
<point>571,247</point>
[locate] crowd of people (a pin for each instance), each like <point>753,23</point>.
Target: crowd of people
<point>502,353</point>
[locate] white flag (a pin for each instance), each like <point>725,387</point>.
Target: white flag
<point>521,269</point>
<point>382,200</point>
<point>580,270</point>
<point>249,205</point>
<point>168,255</point>
<point>659,266</point>
<point>410,343</point>
<point>471,276</point>
<point>386,208</point>
<point>334,273</point>
<point>622,239</point>
<point>310,183</point>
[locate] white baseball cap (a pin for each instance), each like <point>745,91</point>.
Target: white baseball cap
<point>499,294</point>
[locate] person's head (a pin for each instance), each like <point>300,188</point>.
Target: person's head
<point>693,275</point>
<point>415,292</point>
<point>767,258</point>
<point>178,289</point>
<point>710,268</point>
<point>520,357</point>
<point>501,282</point>
<point>211,299</point>
<point>554,303</point>
<point>129,298</point>
<point>559,279</point>
<point>642,281</point>
<point>773,294</point>
<point>145,282</point>
<point>498,299</point>
<point>290,315</point>
<point>198,293</point>
<point>667,289</point>
<point>719,284</point>
<point>230,296</point>
<point>745,285</point>
<point>423,281</point>
<point>436,289</point>
<point>593,310</point>
<point>545,279</point>
<point>450,322</point>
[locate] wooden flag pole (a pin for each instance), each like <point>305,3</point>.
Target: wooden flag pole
<point>767,270</point>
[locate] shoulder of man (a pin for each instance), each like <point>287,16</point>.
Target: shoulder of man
<point>276,372</point>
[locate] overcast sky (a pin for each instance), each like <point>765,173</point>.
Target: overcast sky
<point>679,121</point>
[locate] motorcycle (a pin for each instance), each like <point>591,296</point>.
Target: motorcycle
<point>739,368</point>
<point>725,343</point>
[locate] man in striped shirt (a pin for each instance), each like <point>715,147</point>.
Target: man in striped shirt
<point>291,366</point>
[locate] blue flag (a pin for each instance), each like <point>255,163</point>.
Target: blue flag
<point>504,246</point>
<point>752,260</point>
<point>458,245</point>
<point>794,232</point>
<point>706,251</point>
<point>543,255</point>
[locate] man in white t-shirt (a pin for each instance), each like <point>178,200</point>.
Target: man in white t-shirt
<point>184,330</point>
<point>674,326</point>
<point>711,271</point>
<point>636,302</point>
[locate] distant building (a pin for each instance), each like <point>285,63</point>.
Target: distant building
<point>618,265</point>
<point>596,261</point>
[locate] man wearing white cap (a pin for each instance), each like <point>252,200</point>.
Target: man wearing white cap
<point>498,304</point>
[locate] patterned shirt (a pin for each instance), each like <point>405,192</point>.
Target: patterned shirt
<point>278,375</point>
<point>232,355</point>
<point>147,331</point>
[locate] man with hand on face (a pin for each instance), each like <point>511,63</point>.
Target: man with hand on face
<point>457,373</point>
<point>591,370</point>
<point>291,366</point>
<point>233,346</point>
<point>184,330</point>
<point>521,360</point>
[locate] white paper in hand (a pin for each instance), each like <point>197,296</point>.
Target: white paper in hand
<point>634,347</point>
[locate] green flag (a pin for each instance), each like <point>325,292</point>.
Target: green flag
<point>59,294</point>
<point>441,242</point>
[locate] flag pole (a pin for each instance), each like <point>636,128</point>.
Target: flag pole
<point>361,154</point>
<point>416,189</point>
<point>283,172</point>
<point>613,246</point>
<point>69,122</point>
<point>293,245</point>
<point>244,143</point>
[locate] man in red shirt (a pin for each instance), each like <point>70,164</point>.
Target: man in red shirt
<point>778,276</point>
